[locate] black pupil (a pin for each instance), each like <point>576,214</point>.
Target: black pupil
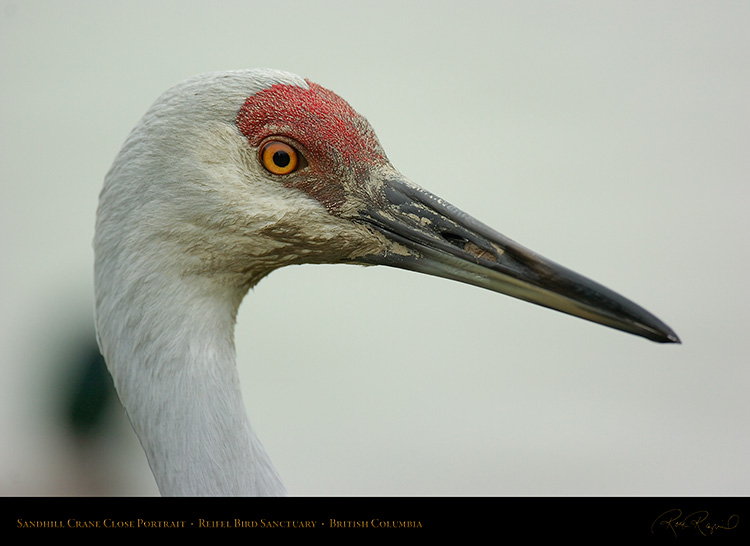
<point>281,159</point>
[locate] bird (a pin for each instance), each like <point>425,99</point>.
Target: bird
<point>228,176</point>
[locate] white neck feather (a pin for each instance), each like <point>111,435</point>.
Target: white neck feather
<point>179,384</point>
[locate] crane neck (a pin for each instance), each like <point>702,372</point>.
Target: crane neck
<point>177,378</point>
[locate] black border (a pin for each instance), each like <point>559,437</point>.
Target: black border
<point>649,518</point>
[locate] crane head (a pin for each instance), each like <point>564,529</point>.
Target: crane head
<point>265,169</point>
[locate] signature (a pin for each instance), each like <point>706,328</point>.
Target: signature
<point>698,521</point>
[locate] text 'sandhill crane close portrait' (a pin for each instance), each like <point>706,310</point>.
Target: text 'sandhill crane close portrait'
<point>229,176</point>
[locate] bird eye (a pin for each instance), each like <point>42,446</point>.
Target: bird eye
<point>278,157</point>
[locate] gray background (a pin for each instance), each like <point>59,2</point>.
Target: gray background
<point>611,137</point>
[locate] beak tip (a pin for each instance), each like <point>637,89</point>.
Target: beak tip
<point>665,334</point>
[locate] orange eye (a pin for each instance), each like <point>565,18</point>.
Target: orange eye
<point>278,157</point>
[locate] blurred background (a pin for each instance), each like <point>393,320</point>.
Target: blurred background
<point>611,137</point>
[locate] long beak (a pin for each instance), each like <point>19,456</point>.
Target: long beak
<point>446,242</point>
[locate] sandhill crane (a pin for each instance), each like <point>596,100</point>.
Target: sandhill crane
<point>227,177</point>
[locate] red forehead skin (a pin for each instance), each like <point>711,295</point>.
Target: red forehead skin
<point>317,118</point>
<point>340,145</point>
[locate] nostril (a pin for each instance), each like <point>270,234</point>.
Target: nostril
<point>454,239</point>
